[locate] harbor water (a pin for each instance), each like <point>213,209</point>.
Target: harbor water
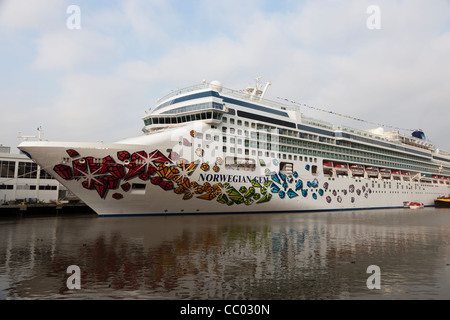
<point>366,254</point>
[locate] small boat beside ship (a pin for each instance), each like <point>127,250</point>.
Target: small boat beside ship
<point>416,205</point>
<point>442,202</point>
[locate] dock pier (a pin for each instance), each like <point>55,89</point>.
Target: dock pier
<point>45,209</point>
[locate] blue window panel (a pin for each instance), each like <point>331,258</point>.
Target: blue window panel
<point>265,119</point>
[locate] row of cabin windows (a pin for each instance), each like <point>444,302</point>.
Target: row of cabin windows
<point>408,160</point>
<point>267,154</point>
<point>238,122</point>
<point>327,144</point>
<point>341,153</point>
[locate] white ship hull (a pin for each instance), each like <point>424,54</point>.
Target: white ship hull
<point>145,179</point>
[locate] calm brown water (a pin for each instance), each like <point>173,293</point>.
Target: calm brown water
<point>257,256</point>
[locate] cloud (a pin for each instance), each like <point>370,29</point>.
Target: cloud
<point>68,49</point>
<point>35,15</point>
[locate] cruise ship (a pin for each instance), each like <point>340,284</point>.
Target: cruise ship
<point>210,149</point>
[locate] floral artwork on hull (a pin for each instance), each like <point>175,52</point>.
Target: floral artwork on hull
<point>172,173</point>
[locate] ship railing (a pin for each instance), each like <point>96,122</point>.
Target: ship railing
<point>184,90</point>
<point>368,134</point>
<point>230,92</point>
<point>242,94</point>
<point>318,123</point>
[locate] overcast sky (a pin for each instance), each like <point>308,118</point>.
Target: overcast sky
<point>94,83</point>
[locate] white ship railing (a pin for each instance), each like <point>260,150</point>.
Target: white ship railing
<point>229,92</point>
<point>183,91</point>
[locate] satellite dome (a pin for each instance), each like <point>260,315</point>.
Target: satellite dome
<point>216,85</point>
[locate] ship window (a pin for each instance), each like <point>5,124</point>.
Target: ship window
<point>286,168</point>
<point>224,119</point>
<point>231,121</point>
<point>138,188</point>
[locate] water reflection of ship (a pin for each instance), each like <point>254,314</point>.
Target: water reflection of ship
<point>227,257</point>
